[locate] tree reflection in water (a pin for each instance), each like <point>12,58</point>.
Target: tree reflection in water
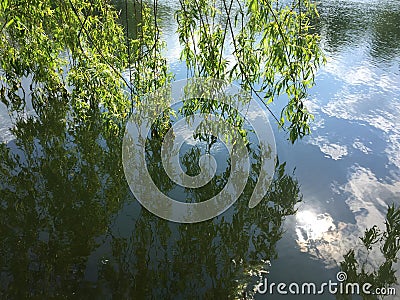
<point>71,227</point>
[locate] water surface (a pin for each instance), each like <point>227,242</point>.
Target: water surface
<point>72,228</point>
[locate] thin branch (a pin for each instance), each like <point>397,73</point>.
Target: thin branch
<point>241,67</point>
<point>128,45</point>
<point>224,37</point>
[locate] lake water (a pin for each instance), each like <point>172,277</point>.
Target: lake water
<point>75,230</point>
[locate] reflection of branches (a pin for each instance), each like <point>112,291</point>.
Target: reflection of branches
<point>361,272</point>
<point>213,258</point>
<point>58,194</point>
<point>191,161</point>
<point>61,188</point>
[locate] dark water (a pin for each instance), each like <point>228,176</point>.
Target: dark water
<point>71,227</point>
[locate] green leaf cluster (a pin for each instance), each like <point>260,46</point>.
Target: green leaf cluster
<point>265,45</point>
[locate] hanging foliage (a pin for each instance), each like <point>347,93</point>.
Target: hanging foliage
<point>76,52</point>
<point>265,45</point>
